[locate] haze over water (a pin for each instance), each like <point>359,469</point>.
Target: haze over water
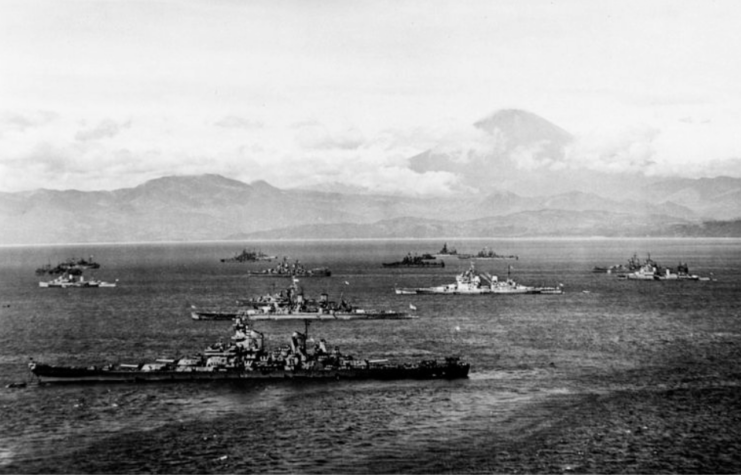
<point>534,357</point>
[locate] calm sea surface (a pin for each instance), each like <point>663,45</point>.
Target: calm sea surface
<point>529,353</point>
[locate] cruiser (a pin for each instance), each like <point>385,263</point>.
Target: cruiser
<point>68,280</point>
<point>425,260</point>
<point>486,253</point>
<point>249,256</point>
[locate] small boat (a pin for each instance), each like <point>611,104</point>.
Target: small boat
<point>248,256</point>
<point>296,269</point>
<point>414,260</point>
<point>107,284</point>
<point>472,283</point>
<point>245,358</point>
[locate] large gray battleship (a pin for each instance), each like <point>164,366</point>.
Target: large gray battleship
<point>245,358</point>
<point>291,269</point>
<point>471,282</point>
<point>291,303</point>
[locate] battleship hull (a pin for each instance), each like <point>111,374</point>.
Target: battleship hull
<point>443,291</point>
<point>358,315</point>
<point>504,290</point>
<point>311,273</point>
<point>48,374</point>
<point>485,258</point>
<point>420,265</point>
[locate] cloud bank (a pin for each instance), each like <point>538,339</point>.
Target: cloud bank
<point>46,149</point>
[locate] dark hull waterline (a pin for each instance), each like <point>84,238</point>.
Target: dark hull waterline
<point>389,315</point>
<point>48,374</point>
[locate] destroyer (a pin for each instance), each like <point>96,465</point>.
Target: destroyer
<point>472,283</point>
<point>245,357</point>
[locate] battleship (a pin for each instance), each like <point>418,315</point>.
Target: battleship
<point>291,303</point>
<point>470,282</point>
<point>296,269</point>
<point>246,358</point>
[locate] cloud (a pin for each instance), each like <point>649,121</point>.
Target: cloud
<point>105,129</point>
<point>23,121</point>
<point>625,150</point>
<point>46,160</point>
<point>312,153</point>
<point>315,135</point>
<point>370,168</point>
<point>533,157</point>
<point>234,122</point>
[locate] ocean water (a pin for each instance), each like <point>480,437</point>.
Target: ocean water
<point>531,354</point>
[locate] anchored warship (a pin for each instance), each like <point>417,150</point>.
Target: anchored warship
<point>291,303</point>
<point>295,269</point>
<point>470,282</point>
<point>245,357</point>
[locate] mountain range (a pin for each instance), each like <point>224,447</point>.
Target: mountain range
<point>212,207</point>
<point>515,182</point>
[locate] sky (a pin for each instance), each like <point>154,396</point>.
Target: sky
<point>100,95</point>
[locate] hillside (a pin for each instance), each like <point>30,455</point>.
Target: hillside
<point>212,207</point>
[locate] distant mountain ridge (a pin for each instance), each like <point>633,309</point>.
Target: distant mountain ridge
<point>213,207</point>
<point>544,223</point>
